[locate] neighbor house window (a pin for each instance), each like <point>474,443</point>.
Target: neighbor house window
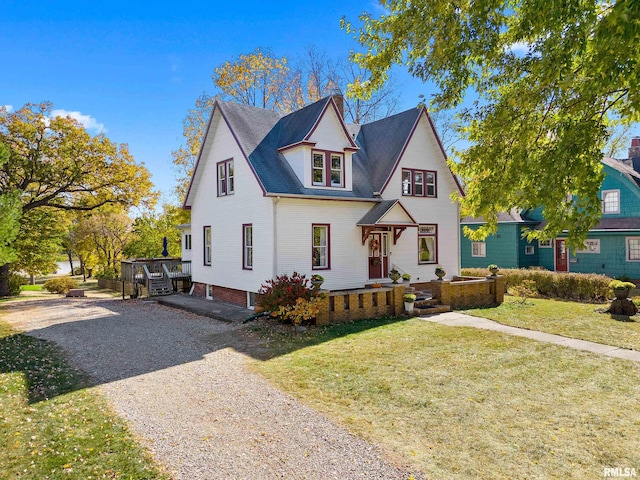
<point>633,249</point>
<point>591,245</point>
<point>611,201</point>
<point>427,243</point>
<point>207,245</point>
<point>187,241</point>
<point>328,169</point>
<point>478,249</point>
<point>529,250</point>
<point>247,247</point>
<point>225,178</point>
<point>418,183</point>
<point>545,243</point>
<point>320,248</point>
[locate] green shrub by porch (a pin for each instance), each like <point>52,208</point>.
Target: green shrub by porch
<point>573,286</point>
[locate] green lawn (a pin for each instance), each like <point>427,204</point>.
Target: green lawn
<point>571,319</point>
<point>52,427</point>
<point>466,403</point>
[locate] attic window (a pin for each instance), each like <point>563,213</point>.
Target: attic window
<point>328,169</point>
<point>418,183</point>
<point>611,201</point>
<point>225,178</point>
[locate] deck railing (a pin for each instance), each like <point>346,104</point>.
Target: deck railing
<point>132,271</point>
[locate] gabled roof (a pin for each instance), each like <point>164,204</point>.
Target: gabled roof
<point>262,135</point>
<point>377,214</point>
<point>626,170</point>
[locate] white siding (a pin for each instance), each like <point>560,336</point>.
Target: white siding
<point>349,258</point>
<point>186,253</point>
<point>297,158</point>
<point>330,135</point>
<point>226,215</point>
<point>423,152</point>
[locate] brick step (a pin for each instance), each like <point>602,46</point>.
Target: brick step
<point>432,310</point>
<point>426,303</point>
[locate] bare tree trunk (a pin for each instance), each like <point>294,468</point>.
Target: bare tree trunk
<point>4,280</point>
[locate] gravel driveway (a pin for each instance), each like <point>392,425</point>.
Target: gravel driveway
<point>182,382</point>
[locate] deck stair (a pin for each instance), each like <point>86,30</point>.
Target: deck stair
<point>158,283</point>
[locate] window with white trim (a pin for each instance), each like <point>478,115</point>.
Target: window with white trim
<point>207,245</point>
<point>427,244</point>
<point>418,183</point>
<point>545,243</point>
<point>529,250</point>
<point>320,247</point>
<point>611,201</point>
<point>633,249</point>
<point>591,245</point>
<point>247,247</point>
<point>478,249</point>
<point>225,178</point>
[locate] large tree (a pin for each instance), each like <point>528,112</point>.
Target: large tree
<point>548,79</point>
<point>261,79</point>
<point>151,228</point>
<point>55,164</point>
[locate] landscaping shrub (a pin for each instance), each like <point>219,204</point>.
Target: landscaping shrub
<point>15,282</point>
<point>60,285</point>
<point>283,291</point>
<point>573,286</point>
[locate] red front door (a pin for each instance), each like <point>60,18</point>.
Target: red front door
<point>378,255</point>
<point>561,256</point>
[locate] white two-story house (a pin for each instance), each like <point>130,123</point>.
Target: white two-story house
<point>305,192</point>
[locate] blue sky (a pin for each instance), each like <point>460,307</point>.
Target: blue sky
<point>134,68</point>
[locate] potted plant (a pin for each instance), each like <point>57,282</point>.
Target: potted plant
<point>621,289</point>
<point>409,300</point>
<point>440,272</point>
<point>317,281</point>
<point>394,275</point>
<point>493,268</point>
<point>406,277</point>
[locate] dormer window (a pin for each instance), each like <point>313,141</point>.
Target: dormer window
<point>328,169</point>
<point>225,178</point>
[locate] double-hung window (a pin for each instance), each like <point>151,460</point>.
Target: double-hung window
<point>328,169</point>
<point>633,249</point>
<point>247,247</point>
<point>207,245</point>
<point>478,249</point>
<point>427,244</point>
<point>418,183</point>
<point>320,247</point>
<point>225,178</point>
<point>611,201</point>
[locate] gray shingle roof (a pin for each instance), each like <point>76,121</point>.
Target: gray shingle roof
<point>260,133</point>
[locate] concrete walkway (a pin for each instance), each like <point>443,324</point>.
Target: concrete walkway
<point>454,319</point>
<point>207,308</point>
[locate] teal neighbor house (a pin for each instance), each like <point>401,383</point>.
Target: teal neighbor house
<point>612,247</point>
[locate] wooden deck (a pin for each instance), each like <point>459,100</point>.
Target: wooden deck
<point>159,275</point>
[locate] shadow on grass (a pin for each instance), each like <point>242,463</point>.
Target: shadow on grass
<point>76,344</point>
<point>46,371</point>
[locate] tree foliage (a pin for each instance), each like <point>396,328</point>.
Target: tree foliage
<point>10,213</point>
<point>55,162</point>
<point>548,85</point>
<point>261,79</point>
<point>151,228</point>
